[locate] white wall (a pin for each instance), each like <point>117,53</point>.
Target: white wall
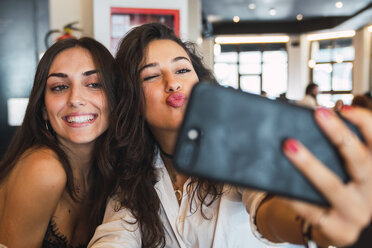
<point>207,50</point>
<point>66,11</point>
<point>194,20</point>
<point>298,71</point>
<point>361,66</point>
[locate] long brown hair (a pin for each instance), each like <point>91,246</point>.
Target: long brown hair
<point>139,147</point>
<point>35,132</point>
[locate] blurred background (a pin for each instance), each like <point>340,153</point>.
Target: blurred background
<point>272,46</point>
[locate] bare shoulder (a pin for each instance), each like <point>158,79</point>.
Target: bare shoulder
<point>32,193</point>
<point>40,171</point>
<point>43,165</point>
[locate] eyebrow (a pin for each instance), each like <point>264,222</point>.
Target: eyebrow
<point>155,64</point>
<point>180,58</point>
<point>63,75</point>
<point>88,73</point>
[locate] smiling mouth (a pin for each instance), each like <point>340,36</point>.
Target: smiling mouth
<point>79,119</point>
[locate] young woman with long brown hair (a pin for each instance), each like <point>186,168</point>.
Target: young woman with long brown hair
<point>57,172</point>
<point>158,207</point>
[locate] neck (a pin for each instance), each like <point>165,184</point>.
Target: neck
<point>80,158</point>
<point>166,141</point>
<point>313,95</point>
<point>166,155</point>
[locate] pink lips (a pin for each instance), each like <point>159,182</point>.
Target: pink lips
<point>176,99</point>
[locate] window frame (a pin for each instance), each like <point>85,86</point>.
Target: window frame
<point>332,63</point>
<point>261,49</point>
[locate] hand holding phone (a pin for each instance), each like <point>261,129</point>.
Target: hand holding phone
<point>350,209</point>
<point>237,138</point>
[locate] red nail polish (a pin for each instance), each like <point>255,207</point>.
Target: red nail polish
<point>291,145</point>
<point>323,112</point>
<point>347,107</point>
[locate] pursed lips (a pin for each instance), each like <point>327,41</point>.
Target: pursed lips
<point>176,99</point>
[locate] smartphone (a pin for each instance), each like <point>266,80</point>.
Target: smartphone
<point>235,137</point>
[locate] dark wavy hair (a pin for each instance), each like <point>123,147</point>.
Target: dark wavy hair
<point>139,147</point>
<point>36,133</point>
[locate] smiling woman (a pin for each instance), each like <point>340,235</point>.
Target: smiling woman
<point>47,174</point>
<point>75,103</point>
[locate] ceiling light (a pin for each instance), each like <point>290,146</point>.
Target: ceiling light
<point>370,29</point>
<point>251,39</point>
<point>252,6</point>
<point>311,63</point>
<point>236,19</point>
<point>332,35</point>
<point>299,17</point>
<point>272,11</point>
<point>339,5</point>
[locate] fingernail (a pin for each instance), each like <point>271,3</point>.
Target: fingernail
<point>323,112</point>
<point>347,107</point>
<point>291,145</point>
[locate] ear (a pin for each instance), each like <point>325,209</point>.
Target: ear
<point>45,114</point>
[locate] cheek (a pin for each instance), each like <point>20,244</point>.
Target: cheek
<point>151,96</point>
<point>102,104</point>
<point>193,79</point>
<point>52,106</point>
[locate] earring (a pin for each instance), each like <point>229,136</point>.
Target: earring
<point>46,125</point>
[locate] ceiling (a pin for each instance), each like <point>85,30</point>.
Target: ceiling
<point>316,15</point>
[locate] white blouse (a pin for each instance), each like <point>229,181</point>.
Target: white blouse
<point>227,225</point>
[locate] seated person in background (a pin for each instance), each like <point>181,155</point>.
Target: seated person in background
<point>56,175</point>
<point>338,105</point>
<point>310,98</point>
<point>283,97</point>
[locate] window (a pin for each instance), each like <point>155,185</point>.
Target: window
<point>253,67</point>
<point>332,70</point>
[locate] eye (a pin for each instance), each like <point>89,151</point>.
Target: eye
<point>59,88</point>
<point>185,70</point>
<point>149,77</point>
<point>95,85</point>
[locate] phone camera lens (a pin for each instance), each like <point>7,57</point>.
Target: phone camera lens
<point>193,134</point>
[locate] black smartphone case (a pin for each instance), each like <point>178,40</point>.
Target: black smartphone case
<point>236,137</point>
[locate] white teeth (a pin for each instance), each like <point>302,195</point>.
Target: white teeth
<point>80,118</point>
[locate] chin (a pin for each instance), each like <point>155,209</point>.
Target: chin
<point>78,140</point>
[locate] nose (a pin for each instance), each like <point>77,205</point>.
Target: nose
<point>173,85</point>
<point>76,97</point>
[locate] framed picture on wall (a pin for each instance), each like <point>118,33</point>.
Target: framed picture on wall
<point>124,19</point>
